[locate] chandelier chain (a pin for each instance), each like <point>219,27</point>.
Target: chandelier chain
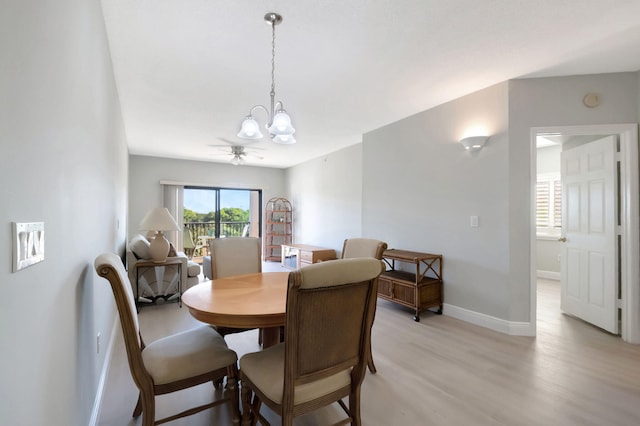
<point>273,59</point>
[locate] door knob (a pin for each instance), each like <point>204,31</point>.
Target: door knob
<point>562,239</point>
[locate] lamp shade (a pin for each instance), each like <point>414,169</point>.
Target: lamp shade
<point>158,219</point>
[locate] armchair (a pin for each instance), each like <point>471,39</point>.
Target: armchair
<point>163,280</point>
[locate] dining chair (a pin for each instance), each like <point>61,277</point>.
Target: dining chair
<point>316,366</point>
<point>171,363</point>
<point>234,256</point>
<point>364,247</point>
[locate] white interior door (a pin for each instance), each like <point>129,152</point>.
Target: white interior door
<point>589,272</point>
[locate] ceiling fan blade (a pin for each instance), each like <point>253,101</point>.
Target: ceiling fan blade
<point>238,142</point>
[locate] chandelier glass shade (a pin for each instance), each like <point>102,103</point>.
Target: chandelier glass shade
<point>279,122</point>
<point>250,129</point>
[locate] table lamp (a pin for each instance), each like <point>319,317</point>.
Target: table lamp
<point>159,219</point>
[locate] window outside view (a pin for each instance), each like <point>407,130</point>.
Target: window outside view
<point>216,213</point>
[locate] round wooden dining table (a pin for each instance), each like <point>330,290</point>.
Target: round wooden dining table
<point>242,301</point>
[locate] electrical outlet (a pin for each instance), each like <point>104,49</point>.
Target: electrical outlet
<point>98,343</point>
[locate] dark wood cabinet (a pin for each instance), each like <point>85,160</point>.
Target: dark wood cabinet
<point>420,288</point>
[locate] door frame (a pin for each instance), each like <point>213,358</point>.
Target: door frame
<point>629,220</point>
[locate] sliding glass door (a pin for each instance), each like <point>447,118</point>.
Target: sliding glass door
<point>221,212</point>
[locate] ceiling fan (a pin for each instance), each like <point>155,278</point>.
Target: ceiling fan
<point>237,152</point>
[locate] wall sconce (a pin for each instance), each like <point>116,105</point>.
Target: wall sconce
<point>474,143</point>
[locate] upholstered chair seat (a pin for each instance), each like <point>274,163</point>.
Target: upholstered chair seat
<point>188,354</point>
<point>266,369</point>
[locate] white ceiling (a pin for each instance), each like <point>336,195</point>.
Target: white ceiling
<point>188,71</point>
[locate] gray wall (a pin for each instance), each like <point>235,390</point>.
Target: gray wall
<point>63,161</point>
<point>145,174</point>
<point>545,102</point>
<point>420,188</point>
<point>326,195</point>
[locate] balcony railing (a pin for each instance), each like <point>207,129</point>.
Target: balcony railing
<point>227,229</point>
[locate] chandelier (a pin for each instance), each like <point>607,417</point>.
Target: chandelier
<point>279,125</point>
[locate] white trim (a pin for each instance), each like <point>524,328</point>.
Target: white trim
<point>630,235</point>
<point>102,382</point>
<point>533,249</point>
<point>225,185</point>
<point>549,275</point>
<point>496,324</point>
<point>629,211</point>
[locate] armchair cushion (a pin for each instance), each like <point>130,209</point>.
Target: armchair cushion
<point>139,245</point>
<point>193,269</point>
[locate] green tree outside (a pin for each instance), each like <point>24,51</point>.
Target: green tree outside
<point>227,214</point>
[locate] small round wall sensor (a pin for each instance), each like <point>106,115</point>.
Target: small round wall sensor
<point>591,100</point>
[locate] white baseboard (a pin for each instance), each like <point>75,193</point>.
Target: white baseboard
<point>503,326</point>
<point>549,275</point>
<point>97,403</point>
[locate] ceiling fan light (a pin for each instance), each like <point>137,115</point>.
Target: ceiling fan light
<point>284,139</point>
<point>237,160</point>
<point>250,129</point>
<point>281,124</point>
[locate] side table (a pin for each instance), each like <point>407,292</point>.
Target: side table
<point>143,265</point>
<point>419,290</point>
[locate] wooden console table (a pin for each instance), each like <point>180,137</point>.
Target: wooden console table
<point>294,256</point>
<point>419,290</point>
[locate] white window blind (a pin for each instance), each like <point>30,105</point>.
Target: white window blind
<point>543,200</point>
<point>549,204</point>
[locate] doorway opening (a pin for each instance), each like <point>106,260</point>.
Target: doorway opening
<point>546,260</point>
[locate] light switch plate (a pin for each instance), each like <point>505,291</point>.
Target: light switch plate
<point>474,221</point>
<point>28,244</point>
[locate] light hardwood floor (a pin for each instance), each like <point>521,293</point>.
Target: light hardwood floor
<point>442,371</point>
